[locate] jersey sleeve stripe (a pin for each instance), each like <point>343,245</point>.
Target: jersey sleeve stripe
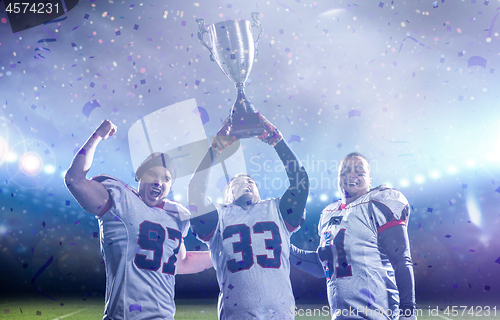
<point>391,224</point>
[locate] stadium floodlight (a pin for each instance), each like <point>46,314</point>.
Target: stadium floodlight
<point>30,164</point>
<point>419,179</point>
<point>404,183</point>
<point>435,174</point>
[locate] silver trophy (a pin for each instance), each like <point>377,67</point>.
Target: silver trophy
<point>233,47</point>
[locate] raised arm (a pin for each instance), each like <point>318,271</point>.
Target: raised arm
<point>192,261</point>
<point>90,195</point>
<point>204,214</point>
<point>293,202</point>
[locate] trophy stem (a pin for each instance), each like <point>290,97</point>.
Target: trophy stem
<point>242,104</point>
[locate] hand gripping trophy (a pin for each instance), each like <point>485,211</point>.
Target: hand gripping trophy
<point>233,47</point>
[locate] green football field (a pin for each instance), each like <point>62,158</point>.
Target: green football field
<point>41,308</point>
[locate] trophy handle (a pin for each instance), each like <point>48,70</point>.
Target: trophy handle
<point>201,32</point>
<point>256,23</point>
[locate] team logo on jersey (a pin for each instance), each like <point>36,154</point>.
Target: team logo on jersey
<point>326,239</point>
<point>335,220</point>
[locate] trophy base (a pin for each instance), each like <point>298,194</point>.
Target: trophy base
<point>246,125</point>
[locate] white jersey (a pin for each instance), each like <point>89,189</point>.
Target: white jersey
<point>139,244</point>
<point>250,251</point>
<point>360,278</point>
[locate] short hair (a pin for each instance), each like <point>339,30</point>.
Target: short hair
<point>359,154</point>
<point>228,193</point>
<point>156,159</point>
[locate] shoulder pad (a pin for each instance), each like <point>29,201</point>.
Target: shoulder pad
<point>332,206</point>
<point>103,177</point>
<point>391,198</point>
<point>176,208</point>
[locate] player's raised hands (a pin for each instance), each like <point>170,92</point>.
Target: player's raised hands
<point>105,130</point>
<point>223,139</point>
<point>271,135</point>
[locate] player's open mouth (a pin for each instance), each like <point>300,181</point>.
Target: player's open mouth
<point>155,192</point>
<point>352,184</point>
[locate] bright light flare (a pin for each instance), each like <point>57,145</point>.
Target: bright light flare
<point>419,179</point>
<point>49,169</point>
<point>4,149</point>
<point>177,197</point>
<point>323,197</point>
<point>30,164</point>
<point>435,174</point>
<point>474,210</point>
<point>452,169</point>
<point>404,183</point>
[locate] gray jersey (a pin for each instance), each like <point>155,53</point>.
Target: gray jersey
<point>139,244</point>
<point>250,251</point>
<point>360,278</point>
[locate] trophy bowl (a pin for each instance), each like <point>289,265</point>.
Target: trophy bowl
<point>233,48</point>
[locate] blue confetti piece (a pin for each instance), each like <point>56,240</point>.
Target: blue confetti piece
<point>89,106</point>
<point>293,138</point>
<point>464,186</point>
<point>202,113</point>
<point>429,209</point>
<point>67,202</point>
<point>476,61</point>
<point>498,190</point>
<point>118,33</point>
<point>354,113</point>
<point>86,16</point>
<point>136,27</point>
<point>381,5</point>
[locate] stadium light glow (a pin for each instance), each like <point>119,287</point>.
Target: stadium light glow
<point>470,162</point>
<point>323,197</point>
<point>435,174</point>
<point>11,157</point>
<point>177,197</point>
<point>419,179</point>
<point>4,149</point>
<point>30,164</point>
<point>452,169</point>
<point>473,209</point>
<point>49,169</point>
<point>404,183</point>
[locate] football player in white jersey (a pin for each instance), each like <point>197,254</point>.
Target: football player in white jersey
<point>364,250</point>
<point>249,237</point>
<point>141,232</point>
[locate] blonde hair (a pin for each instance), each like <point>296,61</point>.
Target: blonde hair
<point>228,192</point>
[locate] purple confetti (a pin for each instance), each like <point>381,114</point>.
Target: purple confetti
<point>455,285</point>
<point>202,113</point>
<point>447,236</point>
<point>339,145</point>
<point>354,113</point>
<point>293,138</point>
<point>429,209</point>
<point>230,287</point>
<point>381,4</point>
<point>281,31</point>
<point>92,84</point>
<point>143,81</point>
<point>43,224</point>
<point>136,27</point>
<point>476,61</point>
<point>498,190</point>
<point>183,23</point>
<point>134,307</point>
<point>86,16</point>
<point>74,28</point>
<point>498,260</point>
<point>89,106</point>
<point>118,33</point>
